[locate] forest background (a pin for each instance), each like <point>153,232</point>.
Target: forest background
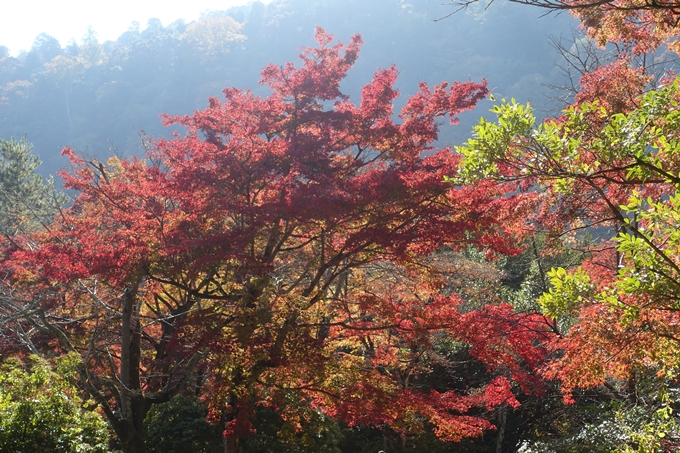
<point>294,272</point>
<point>99,97</point>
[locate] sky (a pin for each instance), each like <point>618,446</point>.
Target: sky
<point>68,19</point>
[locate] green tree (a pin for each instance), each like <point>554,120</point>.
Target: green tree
<point>180,426</point>
<point>314,432</point>
<point>27,201</point>
<point>41,411</point>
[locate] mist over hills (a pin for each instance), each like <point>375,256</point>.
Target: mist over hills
<point>100,97</point>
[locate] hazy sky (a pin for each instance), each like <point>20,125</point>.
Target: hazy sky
<point>23,20</point>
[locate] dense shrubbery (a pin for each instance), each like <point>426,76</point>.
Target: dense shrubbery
<point>41,410</point>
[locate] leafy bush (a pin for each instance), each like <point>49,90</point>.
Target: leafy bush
<point>41,412</point>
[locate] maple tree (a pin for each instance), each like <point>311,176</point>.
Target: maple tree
<point>644,24</point>
<point>254,259</point>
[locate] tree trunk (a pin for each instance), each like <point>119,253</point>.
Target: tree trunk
<point>133,405</point>
<point>397,443</point>
<point>502,420</point>
<point>231,445</point>
<point>133,442</point>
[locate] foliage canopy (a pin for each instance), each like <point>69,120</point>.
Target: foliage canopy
<point>280,254</point>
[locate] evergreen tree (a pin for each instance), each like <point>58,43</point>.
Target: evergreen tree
<point>27,201</point>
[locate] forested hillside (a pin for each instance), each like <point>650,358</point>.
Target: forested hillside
<point>100,97</point>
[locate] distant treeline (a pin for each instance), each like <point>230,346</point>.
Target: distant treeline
<point>99,98</point>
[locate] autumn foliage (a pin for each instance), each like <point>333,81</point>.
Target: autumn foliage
<point>604,183</point>
<point>646,25</point>
<point>247,260</point>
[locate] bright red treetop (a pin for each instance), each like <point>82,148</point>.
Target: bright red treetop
<point>279,168</point>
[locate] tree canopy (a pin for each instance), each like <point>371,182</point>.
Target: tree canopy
<point>279,253</point>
